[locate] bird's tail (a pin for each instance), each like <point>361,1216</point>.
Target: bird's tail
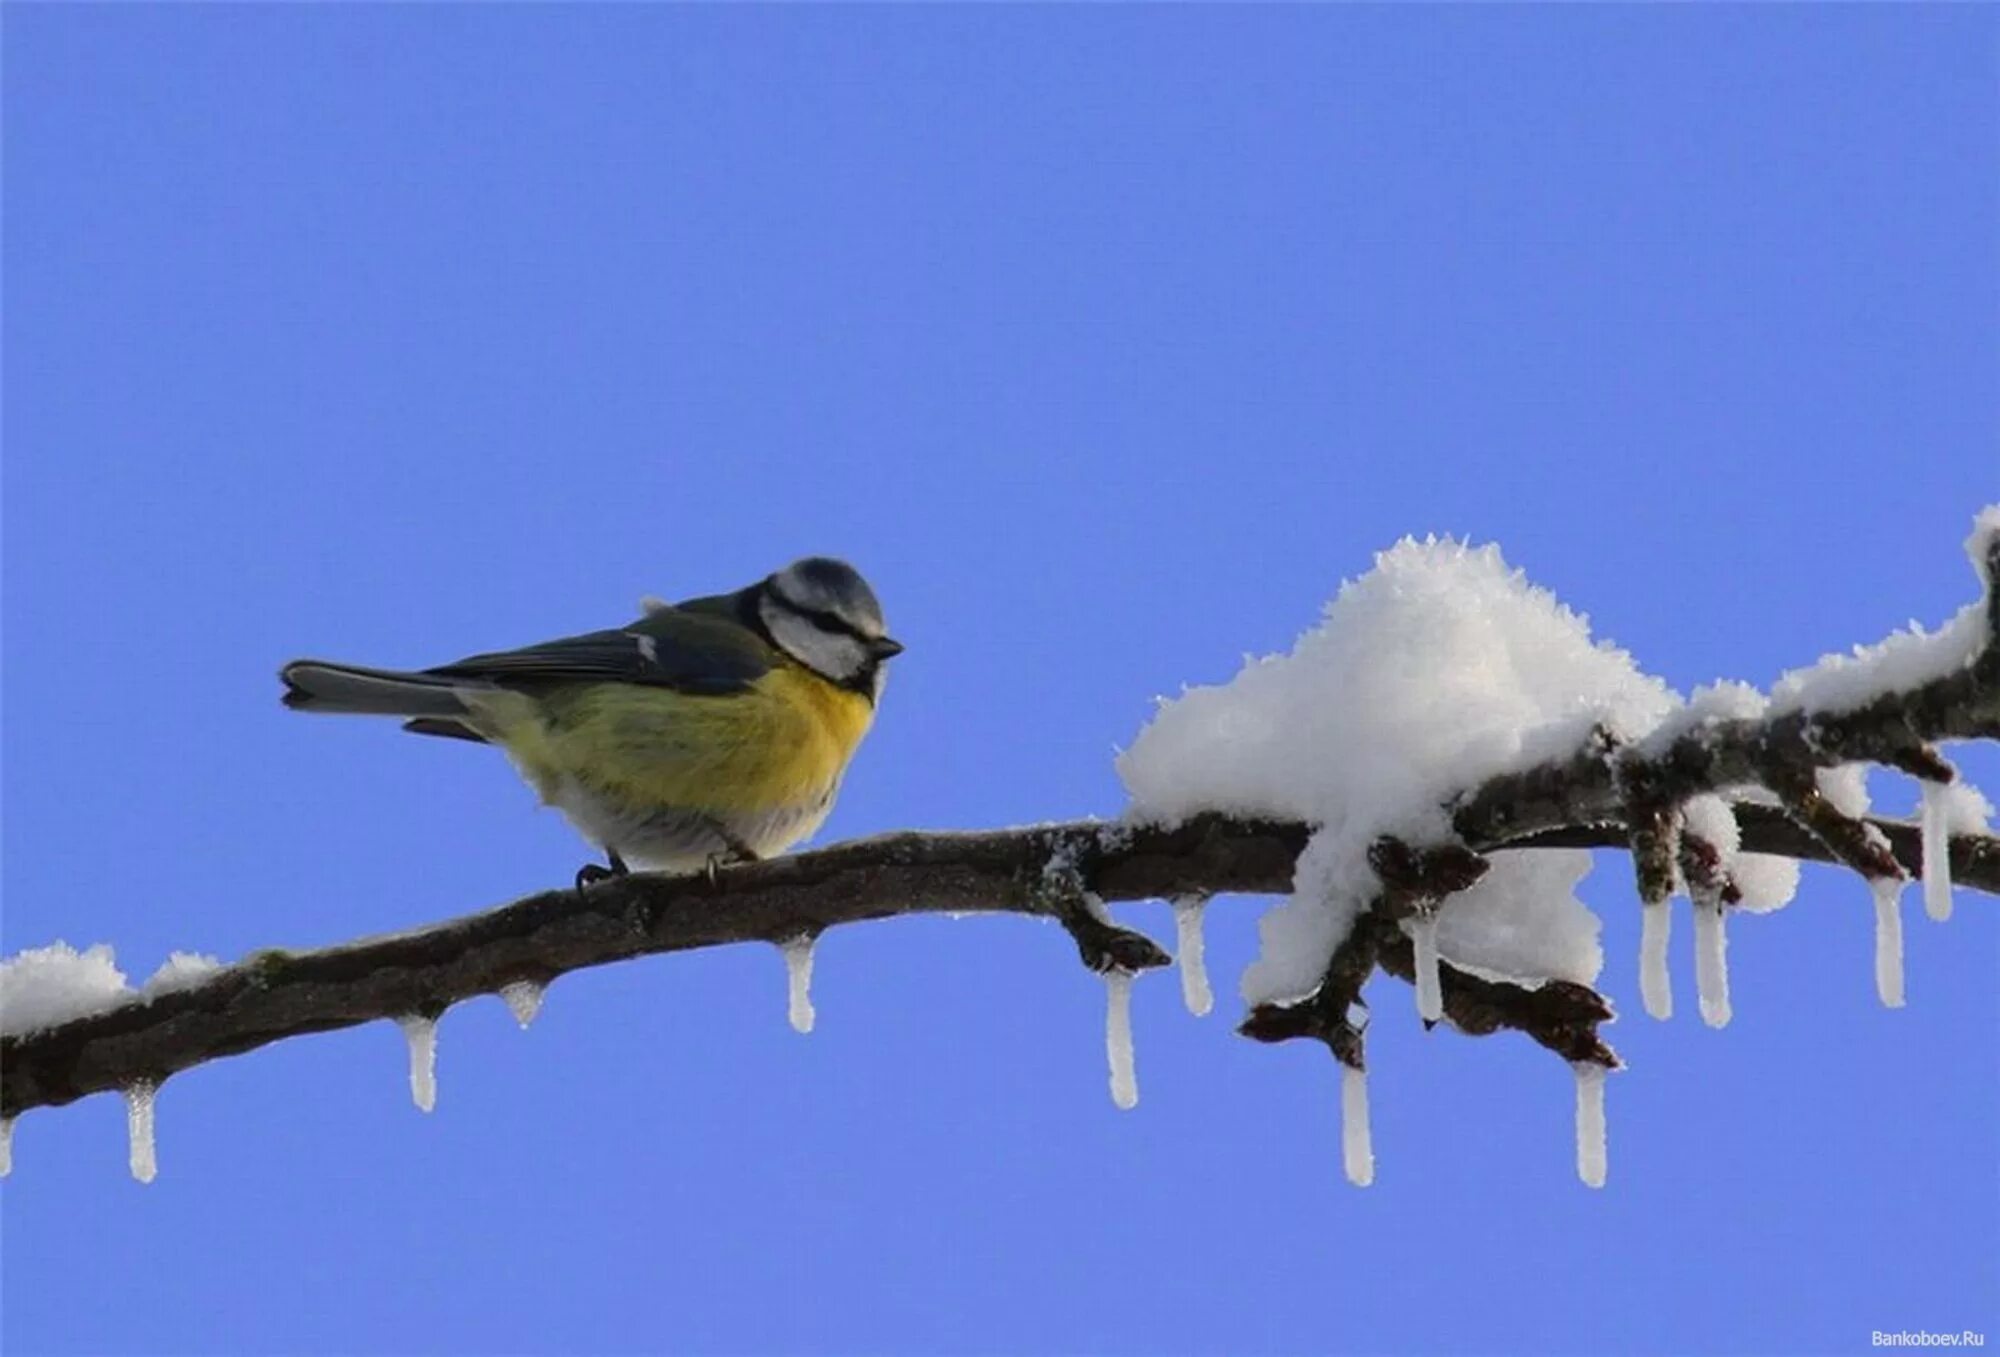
<point>316,685</point>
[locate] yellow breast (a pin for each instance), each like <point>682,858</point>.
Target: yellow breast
<point>785,741</point>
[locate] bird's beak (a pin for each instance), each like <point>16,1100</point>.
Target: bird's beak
<point>883,648</point>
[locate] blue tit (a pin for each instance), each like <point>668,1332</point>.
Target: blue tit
<point>711,730</point>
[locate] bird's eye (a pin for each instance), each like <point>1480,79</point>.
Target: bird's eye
<point>829,623</point>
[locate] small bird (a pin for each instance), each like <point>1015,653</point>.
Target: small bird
<point>710,731</point>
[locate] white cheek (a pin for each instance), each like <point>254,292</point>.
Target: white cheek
<point>837,657</point>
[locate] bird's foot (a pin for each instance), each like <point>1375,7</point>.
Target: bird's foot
<point>728,858</point>
<point>590,873</point>
<point>732,852</point>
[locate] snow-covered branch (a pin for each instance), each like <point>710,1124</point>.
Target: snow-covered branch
<point>1702,792</point>
<point>1645,790</point>
<point>1394,776</point>
<point>1560,1014</point>
<point>273,995</point>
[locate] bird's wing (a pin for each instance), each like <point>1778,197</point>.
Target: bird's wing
<point>690,652</point>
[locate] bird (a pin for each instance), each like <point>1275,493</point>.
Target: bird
<point>708,732</point>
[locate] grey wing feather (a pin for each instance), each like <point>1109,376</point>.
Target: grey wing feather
<point>451,730</point>
<point>668,648</point>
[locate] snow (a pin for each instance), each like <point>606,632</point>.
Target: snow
<point>1357,1149</point>
<point>139,1100</point>
<point>799,977</point>
<point>1767,881</point>
<point>524,1000</point>
<point>1118,1038</point>
<point>421,1033</point>
<point>1966,810</point>
<point>1937,851</point>
<point>1709,705</point>
<point>6,1146</point>
<point>1590,1157</point>
<point>1191,953</point>
<point>1423,930</point>
<point>1114,836</point>
<point>1297,937</point>
<point>1711,965</point>
<point>1846,786</point>
<point>1523,922</point>
<point>1438,669</point>
<point>44,986</point>
<point>1978,546</point>
<point>1654,987</point>
<point>1709,817</point>
<point>1904,659</point>
<point>181,970</point>
<point>1888,893</point>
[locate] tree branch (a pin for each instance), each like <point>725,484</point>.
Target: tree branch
<point>273,995</point>
<point>1596,797</point>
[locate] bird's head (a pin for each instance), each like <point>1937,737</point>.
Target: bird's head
<point>822,613</point>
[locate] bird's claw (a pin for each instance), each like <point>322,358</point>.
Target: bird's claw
<point>591,873</point>
<point>728,858</point>
<point>732,852</point>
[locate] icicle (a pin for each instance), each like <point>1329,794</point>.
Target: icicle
<point>1192,953</point>
<point>1357,1150</point>
<point>139,1129</point>
<point>1118,1038</point>
<point>524,1000</point>
<point>6,1146</point>
<point>421,1033</point>
<point>1424,936</point>
<point>1711,965</point>
<point>1888,892</point>
<point>1937,852</point>
<point>1590,1122</point>
<point>799,976</point>
<point>1655,923</point>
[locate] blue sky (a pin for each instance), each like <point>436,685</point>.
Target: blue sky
<point>1107,341</point>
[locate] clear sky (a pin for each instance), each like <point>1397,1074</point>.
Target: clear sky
<point>1107,341</point>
